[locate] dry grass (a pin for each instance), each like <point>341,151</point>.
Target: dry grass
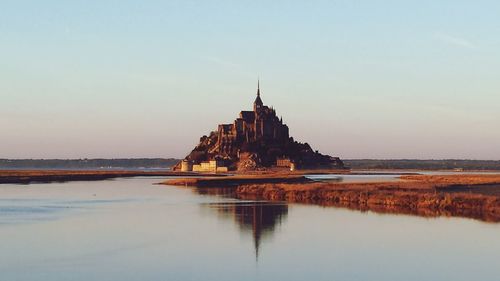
<point>438,180</point>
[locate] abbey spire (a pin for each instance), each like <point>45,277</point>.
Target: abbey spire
<point>258,101</point>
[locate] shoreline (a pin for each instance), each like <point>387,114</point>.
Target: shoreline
<point>238,180</point>
<point>47,176</point>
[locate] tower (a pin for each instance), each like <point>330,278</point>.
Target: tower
<point>257,105</point>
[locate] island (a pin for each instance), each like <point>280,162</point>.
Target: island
<point>256,140</point>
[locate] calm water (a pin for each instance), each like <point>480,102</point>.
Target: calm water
<point>129,229</point>
<point>354,178</point>
<point>385,175</point>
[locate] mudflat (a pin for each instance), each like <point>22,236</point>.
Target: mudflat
<point>30,176</point>
<point>235,181</point>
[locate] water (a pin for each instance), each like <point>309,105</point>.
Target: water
<point>129,229</point>
<point>355,178</point>
<point>386,175</point>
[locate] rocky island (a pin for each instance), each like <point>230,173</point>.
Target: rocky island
<point>256,140</point>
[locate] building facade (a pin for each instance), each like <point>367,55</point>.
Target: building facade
<point>258,126</point>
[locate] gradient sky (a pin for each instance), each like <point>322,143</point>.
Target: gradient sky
<point>355,79</point>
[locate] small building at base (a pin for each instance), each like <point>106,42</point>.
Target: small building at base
<point>283,162</point>
<point>210,166</point>
<point>186,166</point>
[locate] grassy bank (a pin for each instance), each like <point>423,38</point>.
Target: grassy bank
<point>474,196</point>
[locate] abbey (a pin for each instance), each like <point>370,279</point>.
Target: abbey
<point>258,126</point>
<point>257,139</point>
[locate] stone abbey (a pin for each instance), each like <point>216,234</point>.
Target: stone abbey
<point>257,139</point>
<point>260,125</point>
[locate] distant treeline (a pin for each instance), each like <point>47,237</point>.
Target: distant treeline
<point>447,164</point>
<point>149,163</point>
<point>126,163</point>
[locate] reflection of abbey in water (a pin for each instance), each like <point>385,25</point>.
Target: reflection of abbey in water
<point>256,218</point>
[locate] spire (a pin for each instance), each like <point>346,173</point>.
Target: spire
<point>258,87</point>
<point>258,101</point>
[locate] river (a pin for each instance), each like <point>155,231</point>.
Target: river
<point>131,229</point>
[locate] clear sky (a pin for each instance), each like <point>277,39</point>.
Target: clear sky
<point>355,79</point>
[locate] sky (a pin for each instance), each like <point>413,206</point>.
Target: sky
<point>355,79</point>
